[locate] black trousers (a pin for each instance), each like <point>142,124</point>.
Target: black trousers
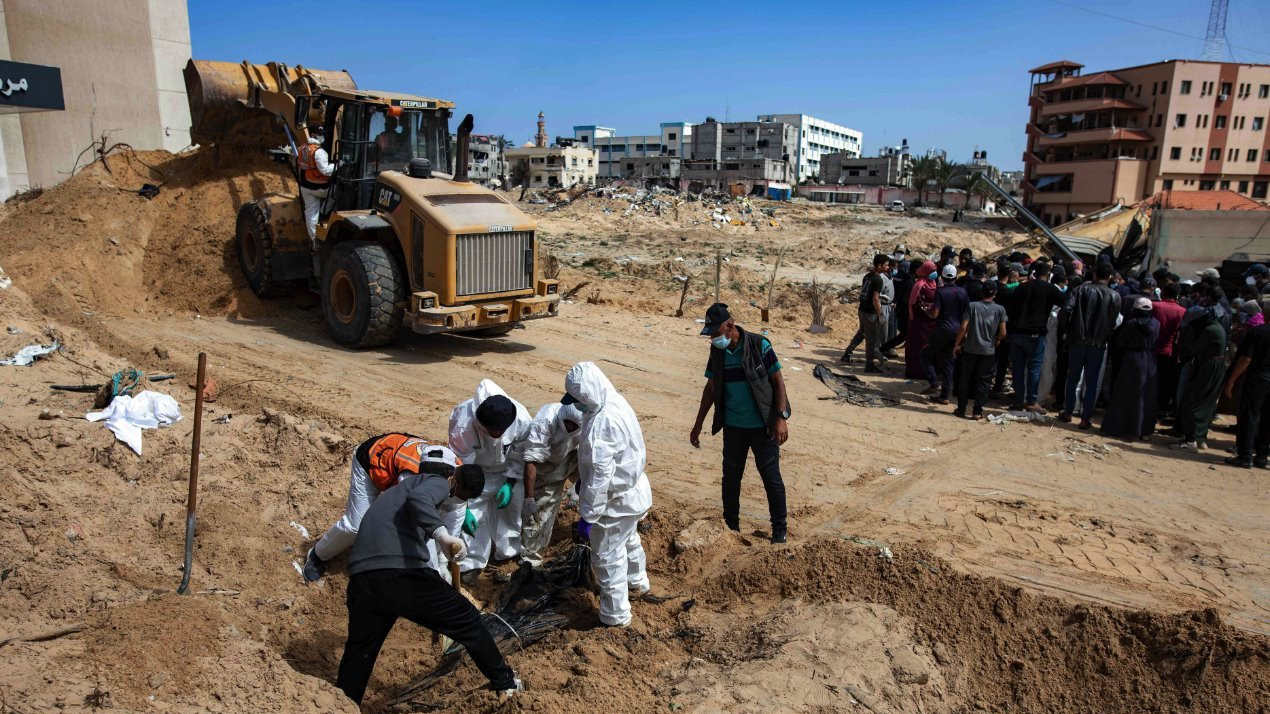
<point>976,380</point>
<point>1167,372</point>
<point>377,598</point>
<point>737,443</point>
<point>937,360</point>
<point>1252,430</point>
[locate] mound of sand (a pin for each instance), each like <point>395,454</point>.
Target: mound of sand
<point>91,247</point>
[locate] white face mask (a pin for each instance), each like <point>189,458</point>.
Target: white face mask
<point>1250,280</point>
<point>722,341</point>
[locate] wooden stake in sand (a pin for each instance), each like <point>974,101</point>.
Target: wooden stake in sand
<point>718,272</point>
<point>770,283</point>
<point>191,501</point>
<point>683,294</point>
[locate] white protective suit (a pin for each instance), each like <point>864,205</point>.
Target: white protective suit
<point>498,531</point>
<point>555,451</point>
<point>614,491</point>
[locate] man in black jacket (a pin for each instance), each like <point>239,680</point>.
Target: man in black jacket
<point>390,577</point>
<point>1088,319</point>
<point>745,387</point>
<point>1029,306</point>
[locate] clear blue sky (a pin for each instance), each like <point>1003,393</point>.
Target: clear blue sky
<point>950,75</point>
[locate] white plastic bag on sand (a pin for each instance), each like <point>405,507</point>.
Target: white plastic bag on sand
<point>127,416</point>
<point>29,354</point>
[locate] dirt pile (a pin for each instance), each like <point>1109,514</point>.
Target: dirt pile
<point>92,248</point>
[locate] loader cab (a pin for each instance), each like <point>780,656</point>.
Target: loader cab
<point>378,134</point>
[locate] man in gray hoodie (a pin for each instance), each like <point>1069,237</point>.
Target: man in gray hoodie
<point>390,577</point>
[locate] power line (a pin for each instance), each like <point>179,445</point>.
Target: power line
<point>1151,27</point>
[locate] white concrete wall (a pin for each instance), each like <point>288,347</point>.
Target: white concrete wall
<point>121,64</point>
<point>13,171</point>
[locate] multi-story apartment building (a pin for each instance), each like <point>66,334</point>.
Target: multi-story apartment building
<point>816,138</point>
<point>674,140</point>
<point>724,144</point>
<point>1125,134</point>
<point>890,169</point>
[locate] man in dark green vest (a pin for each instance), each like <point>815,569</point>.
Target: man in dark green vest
<point>745,387</point>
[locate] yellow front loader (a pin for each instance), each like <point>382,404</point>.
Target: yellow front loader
<point>400,238</point>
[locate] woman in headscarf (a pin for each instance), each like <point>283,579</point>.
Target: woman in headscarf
<point>1247,316</point>
<point>1131,410</point>
<point>1201,350</point>
<point>921,302</point>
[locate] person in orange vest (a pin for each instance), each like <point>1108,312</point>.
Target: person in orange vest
<point>315,167</point>
<point>378,464</point>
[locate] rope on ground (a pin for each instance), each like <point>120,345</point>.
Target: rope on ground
<point>851,388</point>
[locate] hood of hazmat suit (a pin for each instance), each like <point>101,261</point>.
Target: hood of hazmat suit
<point>501,457</point>
<point>548,442</point>
<point>611,453</point>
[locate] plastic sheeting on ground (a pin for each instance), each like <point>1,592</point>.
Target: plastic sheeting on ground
<point>30,354</point>
<point>126,416</point>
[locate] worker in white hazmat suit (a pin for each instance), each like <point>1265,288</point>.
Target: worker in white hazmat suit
<point>614,494</point>
<point>551,459</point>
<point>489,430</point>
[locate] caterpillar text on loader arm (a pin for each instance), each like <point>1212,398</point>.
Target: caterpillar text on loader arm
<point>397,241</point>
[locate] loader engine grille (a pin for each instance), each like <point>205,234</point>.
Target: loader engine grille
<point>494,262</point>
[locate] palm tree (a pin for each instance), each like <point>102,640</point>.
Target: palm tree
<point>943,173</point>
<point>922,171</point>
<point>973,184</point>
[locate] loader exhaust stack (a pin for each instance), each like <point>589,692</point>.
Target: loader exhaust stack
<point>460,149</point>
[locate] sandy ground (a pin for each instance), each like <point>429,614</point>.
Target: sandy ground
<point>1035,567</point>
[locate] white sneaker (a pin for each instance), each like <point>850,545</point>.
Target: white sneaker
<point>505,694</point>
<point>1185,446</point>
<point>1201,445</point>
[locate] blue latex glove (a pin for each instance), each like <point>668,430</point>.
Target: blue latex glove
<point>469,523</point>
<point>504,495</point>
<point>583,531</point>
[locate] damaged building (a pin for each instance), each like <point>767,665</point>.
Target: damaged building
<point>756,155</point>
<point>564,164</point>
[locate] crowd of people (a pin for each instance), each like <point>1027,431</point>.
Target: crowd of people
<point>1148,350</point>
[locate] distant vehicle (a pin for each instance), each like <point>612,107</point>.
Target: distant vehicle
<point>896,205</point>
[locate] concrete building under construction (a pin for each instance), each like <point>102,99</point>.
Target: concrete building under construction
<point>1121,135</point>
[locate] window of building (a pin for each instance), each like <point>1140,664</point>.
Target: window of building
<point>672,136</point>
<point>1214,154</point>
<point>1219,121</point>
<point>537,178</point>
<point>1197,153</point>
<point>1184,87</point>
<point>1175,153</point>
<point>1257,123</point>
<point>1168,184</point>
<point>1252,154</point>
<point>630,166</point>
<point>1207,185</point>
<point>1259,189</point>
<point>1264,91</point>
<point>1164,87</point>
<point>1232,154</point>
<point>1243,187</point>
<point>1155,88</point>
<point>1155,152</point>
<point>1224,185</point>
<point>1179,120</point>
<point>1203,124</point>
<point>1225,88</point>
<point>1159,120</point>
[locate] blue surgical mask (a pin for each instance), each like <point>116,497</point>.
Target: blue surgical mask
<point>722,341</point>
<point>1062,288</point>
<point>934,276</point>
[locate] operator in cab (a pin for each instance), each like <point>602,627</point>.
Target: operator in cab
<point>315,168</point>
<point>393,142</point>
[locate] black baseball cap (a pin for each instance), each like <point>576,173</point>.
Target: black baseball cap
<point>715,317</point>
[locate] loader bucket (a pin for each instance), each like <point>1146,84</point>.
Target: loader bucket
<point>224,98</point>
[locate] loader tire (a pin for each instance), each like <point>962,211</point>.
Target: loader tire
<point>363,294</point>
<point>254,242</point>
